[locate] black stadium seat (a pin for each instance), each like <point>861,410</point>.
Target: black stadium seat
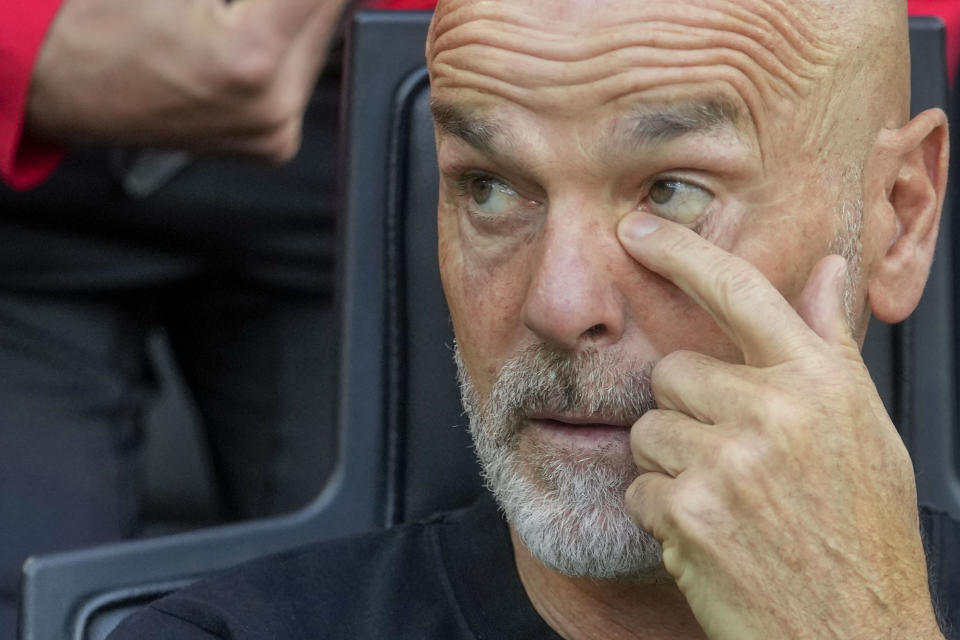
<point>403,449</point>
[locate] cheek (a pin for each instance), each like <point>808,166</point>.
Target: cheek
<point>484,293</point>
<point>792,221</point>
<point>786,252</point>
<point>667,320</point>
<point>782,247</point>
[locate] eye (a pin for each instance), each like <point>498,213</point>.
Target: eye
<point>679,201</point>
<point>489,195</point>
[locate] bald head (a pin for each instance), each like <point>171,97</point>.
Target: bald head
<point>871,81</point>
<point>844,62</point>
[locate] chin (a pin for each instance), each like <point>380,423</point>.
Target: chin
<point>552,438</point>
<point>567,508</point>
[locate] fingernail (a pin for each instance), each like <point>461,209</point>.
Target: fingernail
<point>636,226</point>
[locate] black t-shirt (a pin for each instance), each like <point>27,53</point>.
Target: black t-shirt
<point>451,577</point>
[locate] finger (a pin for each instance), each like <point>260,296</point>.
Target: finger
<point>670,442</point>
<point>706,389</point>
<point>309,51</point>
<point>283,19</point>
<point>823,301</point>
<point>647,500</point>
<point>753,314</point>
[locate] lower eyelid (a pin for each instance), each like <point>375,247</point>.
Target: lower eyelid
<point>701,223</point>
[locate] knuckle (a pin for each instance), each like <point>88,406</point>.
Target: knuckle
<point>250,71</point>
<point>673,364</point>
<point>638,502</point>
<point>674,367</point>
<point>284,144</point>
<point>693,509</point>
<point>744,468</point>
<point>645,432</point>
<point>675,516</point>
<point>636,496</point>
<point>638,432</point>
<point>772,408</point>
<point>275,130</point>
<point>673,562</point>
<point>736,459</point>
<point>247,60</point>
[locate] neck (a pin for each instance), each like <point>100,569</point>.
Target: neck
<point>586,608</point>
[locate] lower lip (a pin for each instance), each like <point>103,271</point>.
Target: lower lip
<point>582,435</point>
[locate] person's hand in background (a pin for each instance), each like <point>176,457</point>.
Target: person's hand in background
<point>199,75</point>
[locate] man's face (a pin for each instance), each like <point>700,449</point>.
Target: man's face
<point>554,120</point>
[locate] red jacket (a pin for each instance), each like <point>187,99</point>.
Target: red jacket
<point>26,161</point>
<point>949,11</point>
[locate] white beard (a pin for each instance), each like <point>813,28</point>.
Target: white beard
<point>566,506</point>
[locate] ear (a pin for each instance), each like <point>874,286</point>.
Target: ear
<point>915,163</point>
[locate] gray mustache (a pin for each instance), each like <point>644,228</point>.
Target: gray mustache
<point>544,379</point>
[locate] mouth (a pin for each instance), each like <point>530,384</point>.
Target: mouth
<point>580,431</point>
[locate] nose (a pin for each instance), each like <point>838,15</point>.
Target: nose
<point>572,299</point>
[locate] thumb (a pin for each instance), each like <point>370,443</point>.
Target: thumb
<point>821,303</point>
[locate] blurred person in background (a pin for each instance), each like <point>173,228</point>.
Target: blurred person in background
<point>233,260</point>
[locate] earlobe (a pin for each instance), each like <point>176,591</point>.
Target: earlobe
<point>920,150</point>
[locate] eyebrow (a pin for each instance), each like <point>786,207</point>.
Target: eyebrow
<point>645,124</point>
<point>656,124</point>
<point>477,131</point>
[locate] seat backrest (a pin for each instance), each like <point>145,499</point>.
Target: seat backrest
<point>404,451</point>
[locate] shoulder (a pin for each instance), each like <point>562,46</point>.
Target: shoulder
<point>351,587</point>
<point>941,538</point>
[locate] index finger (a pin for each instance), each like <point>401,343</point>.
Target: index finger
<point>750,310</point>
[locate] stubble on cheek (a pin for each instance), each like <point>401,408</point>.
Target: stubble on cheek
<point>484,299</point>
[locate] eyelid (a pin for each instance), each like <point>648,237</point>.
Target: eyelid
<point>464,179</point>
<point>518,177</point>
<point>669,176</point>
<point>517,211</point>
<point>697,224</point>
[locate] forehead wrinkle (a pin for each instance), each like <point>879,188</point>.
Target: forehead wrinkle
<point>773,54</point>
<point>799,25</point>
<point>658,48</point>
<point>777,40</point>
<point>562,92</point>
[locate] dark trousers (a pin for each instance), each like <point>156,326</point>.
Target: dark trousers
<point>75,381</point>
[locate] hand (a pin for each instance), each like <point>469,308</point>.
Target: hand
<point>199,75</point>
<point>780,490</point>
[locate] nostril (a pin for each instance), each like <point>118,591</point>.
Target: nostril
<point>595,331</point>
